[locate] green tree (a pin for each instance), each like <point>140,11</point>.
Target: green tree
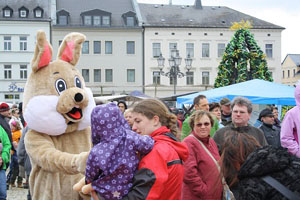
<point>242,60</point>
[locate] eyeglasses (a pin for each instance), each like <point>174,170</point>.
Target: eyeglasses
<point>201,124</point>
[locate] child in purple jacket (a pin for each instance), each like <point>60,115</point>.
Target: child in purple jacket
<point>113,159</point>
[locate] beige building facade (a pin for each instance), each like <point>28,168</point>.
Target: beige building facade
<point>291,69</point>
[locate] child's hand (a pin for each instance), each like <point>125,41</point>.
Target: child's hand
<point>85,189</point>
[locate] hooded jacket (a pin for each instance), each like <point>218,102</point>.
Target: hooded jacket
<point>160,173</point>
<point>268,161</point>
<point>113,160</point>
<point>5,151</point>
<point>290,127</point>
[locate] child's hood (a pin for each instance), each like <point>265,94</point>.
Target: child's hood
<point>107,122</point>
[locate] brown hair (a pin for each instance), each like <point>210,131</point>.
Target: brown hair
<point>236,148</point>
<point>198,115</point>
<point>214,105</point>
<point>153,107</point>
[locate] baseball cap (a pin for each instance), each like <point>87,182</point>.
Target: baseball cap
<point>225,101</point>
<point>4,107</point>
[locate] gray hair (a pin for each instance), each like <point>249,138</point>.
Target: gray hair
<point>242,101</point>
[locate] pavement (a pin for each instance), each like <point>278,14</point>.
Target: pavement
<point>17,194</point>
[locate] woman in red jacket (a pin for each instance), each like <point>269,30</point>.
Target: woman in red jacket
<point>201,174</point>
<point>161,171</point>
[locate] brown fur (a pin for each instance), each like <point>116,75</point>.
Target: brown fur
<point>58,162</point>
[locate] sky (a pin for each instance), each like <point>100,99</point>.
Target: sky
<point>284,13</point>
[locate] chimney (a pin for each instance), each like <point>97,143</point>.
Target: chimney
<point>170,2</point>
<point>198,4</point>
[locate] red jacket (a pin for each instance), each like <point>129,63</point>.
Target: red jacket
<point>160,173</point>
<point>201,175</point>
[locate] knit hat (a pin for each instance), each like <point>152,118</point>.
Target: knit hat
<point>4,107</point>
<point>265,113</point>
<point>225,101</point>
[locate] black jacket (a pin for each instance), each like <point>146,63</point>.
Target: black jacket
<point>272,161</point>
<point>272,134</point>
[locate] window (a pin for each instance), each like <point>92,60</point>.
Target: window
<point>190,78</point>
<point>221,49</point>
<point>130,47</point>
<point>130,21</point>
<point>282,74</point>
<point>106,20</point>
<point>108,75</point>
<point>85,47</point>
<point>7,43</point>
<point>205,50</point>
<point>156,77</point>
<point>172,46</point>
<point>190,49</point>
<point>97,75</point>
<point>156,49</point>
<point>130,75</point>
<point>172,80</point>
<point>59,42</point>
<point>269,50</point>
<point>7,71</point>
<point>23,13</point>
<point>11,96</point>
<point>87,20</point>
<point>108,47</point>
<point>205,78</point>
<point>97,47</point>
<point>96,20</point>
<point>23,43</point>
<point>23,71</point>
<point>38,13</point>
<point>86,75</point>
<point>7,13</point>
<point>62,20</point>
<point>294,72</point>
<point>288,75</point>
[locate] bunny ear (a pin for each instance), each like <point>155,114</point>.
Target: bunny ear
<point>42,53</point>
<point>70,48</point>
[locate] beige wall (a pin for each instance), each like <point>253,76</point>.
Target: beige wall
<point>288,66</point>
<point>181,37</point>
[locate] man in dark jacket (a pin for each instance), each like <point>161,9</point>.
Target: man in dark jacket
<point>241,112</point>
<point>271,132</point>
<point>225,111</point>
<point>5,113</point>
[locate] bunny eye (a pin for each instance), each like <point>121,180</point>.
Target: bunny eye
<point>77,82</point>
<point>60,85</point>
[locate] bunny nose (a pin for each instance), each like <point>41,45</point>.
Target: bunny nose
<point>78,97</point>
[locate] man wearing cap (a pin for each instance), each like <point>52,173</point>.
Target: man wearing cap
<point>200,103</point>
<point>225,111</point>
<point>271,132</point>
<point>241,112</point>
<point>5,113</point>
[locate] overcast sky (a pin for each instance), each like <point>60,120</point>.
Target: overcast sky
<point>284,13</point>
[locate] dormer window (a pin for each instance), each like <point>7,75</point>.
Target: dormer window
<point>38,12</point>
<point>23,12</point>
<point>62,17</point>
<point>7,12</point>
<point>88,20</point>
<point>96,17</point>
<point>129,18</point>
<point>106,20</point>
<point>130,21</point>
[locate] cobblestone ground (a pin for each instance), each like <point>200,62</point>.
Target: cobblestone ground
<point>17,194</point>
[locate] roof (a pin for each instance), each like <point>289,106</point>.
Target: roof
<point>295,58</point>
<point>30,5</point>
<point>116,7</point>
<point>268,93</point>
<point>165,15</point>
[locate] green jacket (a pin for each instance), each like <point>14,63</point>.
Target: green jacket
<point>6,147</point>
<point>186,129</point>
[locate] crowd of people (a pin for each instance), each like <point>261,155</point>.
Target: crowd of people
<point>147,151</point>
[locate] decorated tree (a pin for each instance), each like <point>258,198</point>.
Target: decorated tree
<point>243,59</point>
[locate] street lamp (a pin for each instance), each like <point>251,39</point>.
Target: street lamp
<point>174,62</point>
